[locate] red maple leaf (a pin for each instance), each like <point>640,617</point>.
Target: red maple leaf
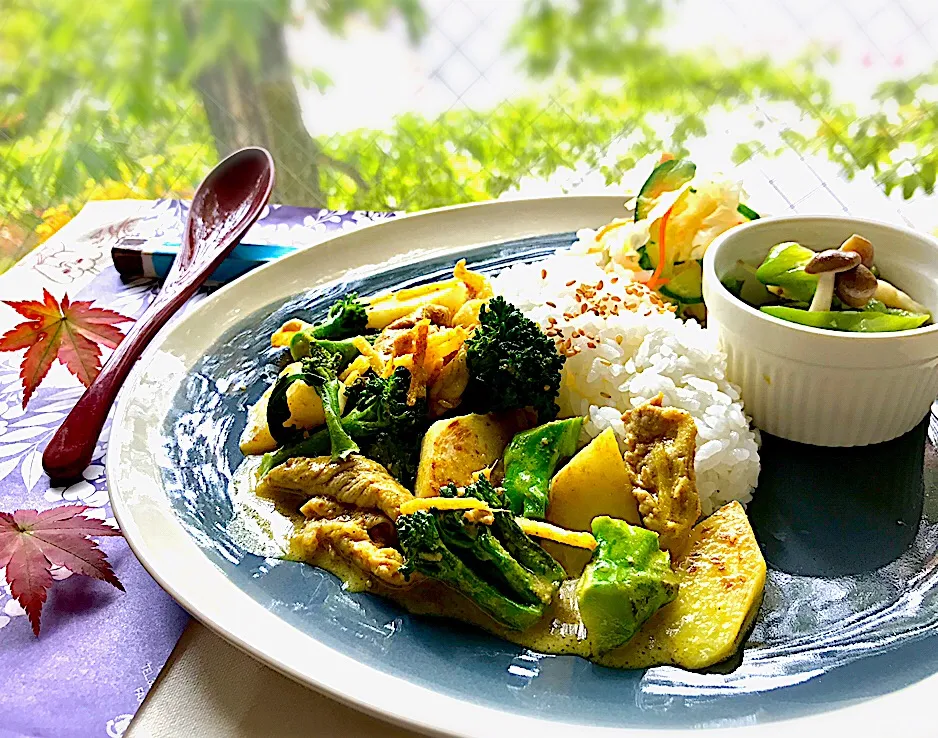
<point>72,332</point>
<point>32,542</point>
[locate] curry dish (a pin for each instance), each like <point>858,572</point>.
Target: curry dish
<point>414,442</point>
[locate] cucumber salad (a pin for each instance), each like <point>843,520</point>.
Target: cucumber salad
<point>676,218</point>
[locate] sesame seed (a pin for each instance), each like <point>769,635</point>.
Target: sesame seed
<point>591,344</point>
<point>571,283</point>
<point>551,304</point>
<point>543,274</point>
<point>583,308</point>
<point>614,280</point>
<point>606,395</point>
<point>599,286</point>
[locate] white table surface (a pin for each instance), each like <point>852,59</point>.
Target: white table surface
<point>209,688</point>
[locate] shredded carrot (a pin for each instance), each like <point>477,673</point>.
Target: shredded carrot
<point>656,281</point>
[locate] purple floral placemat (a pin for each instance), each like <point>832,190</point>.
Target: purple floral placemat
<point>100,649</point>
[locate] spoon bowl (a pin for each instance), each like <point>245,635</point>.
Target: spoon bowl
<point>226,204</point>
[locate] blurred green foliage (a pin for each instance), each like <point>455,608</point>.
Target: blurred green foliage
<point>137,98</point>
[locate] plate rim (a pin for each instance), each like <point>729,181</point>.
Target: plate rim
<point>283,647</point>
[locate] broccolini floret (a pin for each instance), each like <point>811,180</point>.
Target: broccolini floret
<point>300,346</point>
<point>525,550</point>
<point>512,363</point>
<point>321,368</point>
<point>425,552</point>
<point>481,542</point>
<point>347,317</point>
<point>496,565</point>
<point>378,416</point>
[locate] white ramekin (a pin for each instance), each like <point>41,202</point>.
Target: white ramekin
<point>827,388</point>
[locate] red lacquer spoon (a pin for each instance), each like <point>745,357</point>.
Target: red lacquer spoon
<point>226,204</point>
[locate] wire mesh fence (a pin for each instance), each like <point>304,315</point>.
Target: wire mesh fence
<point>820,106</point>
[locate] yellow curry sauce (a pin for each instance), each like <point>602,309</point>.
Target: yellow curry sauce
<point>722,576</point>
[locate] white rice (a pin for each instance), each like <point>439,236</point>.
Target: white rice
<point>627,358</point>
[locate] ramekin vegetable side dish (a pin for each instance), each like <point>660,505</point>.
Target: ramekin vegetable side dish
<point>818,386</point>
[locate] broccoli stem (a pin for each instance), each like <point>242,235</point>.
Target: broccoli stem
<point>475,540</point>
<point>425,552</point>
<point>302,342</point>
<point>316,445</point>
<point>518,544</point>
<point>453,572</point>
<point>530,461</point>
<point>342,443</point>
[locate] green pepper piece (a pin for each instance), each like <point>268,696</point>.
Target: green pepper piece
<point>627,581</point>
<point>853,321</point>
<point>784,267</point>
<point>530,461</point>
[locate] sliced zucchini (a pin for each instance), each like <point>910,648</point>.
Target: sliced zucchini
<point>685,285</point>
<point>644,260</point>
<point>278,410</point>
<point>666,177</point>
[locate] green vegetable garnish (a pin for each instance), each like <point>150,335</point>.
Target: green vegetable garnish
<point>302,340</point>
<point>626,582</point>
<point>321,369</point>
<point>512,364</point>
<point>733,285</point>
<point>854,321</point>
<point>530,461</point>
<point>426,551</point>
<point>784,267</point>
<point>347,317</point>
<point>378,416</point>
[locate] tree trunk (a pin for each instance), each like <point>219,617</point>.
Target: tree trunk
<point>260,107</point>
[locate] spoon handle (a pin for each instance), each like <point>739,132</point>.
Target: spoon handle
<point>225,206</point>
<point>73,444</point>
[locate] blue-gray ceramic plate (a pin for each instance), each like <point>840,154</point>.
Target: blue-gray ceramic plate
<point>844,641</point>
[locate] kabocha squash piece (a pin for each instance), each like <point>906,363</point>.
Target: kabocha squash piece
<point>626,582</point>
<point>722,575</point>
<point>594,482</point>
<point>454,448</point>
